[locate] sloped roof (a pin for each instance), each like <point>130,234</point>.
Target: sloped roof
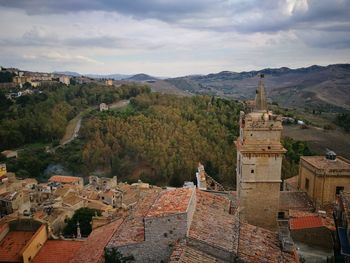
<point>64,179</point>
<point>12,244</point>
<point>170,202</point>
<point>257,244</point>
<point>212,223</point>
<point>183,253</point>
<point>305,222</point>
<point>57,251</point>
<point>295,200</point>
<point>92,250</point>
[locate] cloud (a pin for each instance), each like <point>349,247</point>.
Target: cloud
<point>201,35</point>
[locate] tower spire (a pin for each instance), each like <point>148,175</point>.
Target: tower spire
<point>260,97</point>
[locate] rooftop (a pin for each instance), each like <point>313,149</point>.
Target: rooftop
<point>8,196</point>
<point>320,162</point>
<point>57,251</point>
<point>71,199</point>
<point>12,244</point>
<point>64,179</point>
<point>212,223</point>
<point>295,200</point>
<point>171,202</point>
<point>92,250</point>
<point>133,230</point>
<point>186,254</point>
<point>305,222</point>
<point>257,244</point>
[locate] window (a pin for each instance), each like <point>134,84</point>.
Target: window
<point>306,184</point>
<point>252,171</point>
<point>338,189</point>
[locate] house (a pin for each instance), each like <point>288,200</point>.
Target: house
<point>21,239</point>
<point>109,82</point>
<point>103,107</point>
<point>103,183</point>
<point>11,202</point>
<point>3,170</point>
<point>201,221</point>
<point>324,177</point>
<point>9,154</point>
<point>112,197</point>
<point>72,180</point>
<point>65,80</point>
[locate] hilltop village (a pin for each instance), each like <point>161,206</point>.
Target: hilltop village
<point>264,220</point>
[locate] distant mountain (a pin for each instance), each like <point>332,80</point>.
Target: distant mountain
<point>109,76</point>
<point>141,77</point>
<point>314,87</point>
<point>68,73</point>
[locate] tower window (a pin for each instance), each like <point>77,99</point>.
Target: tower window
<point>306,184</point>
<point>338,189</point>
<point>252,171</point>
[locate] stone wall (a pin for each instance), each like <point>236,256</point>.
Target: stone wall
<point>259,204</point>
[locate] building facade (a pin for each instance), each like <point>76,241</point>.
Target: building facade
<point>324,177</point>
<point>259,162</point>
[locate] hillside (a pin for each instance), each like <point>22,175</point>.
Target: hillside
<point>141,77</point>
<point>316,87</point>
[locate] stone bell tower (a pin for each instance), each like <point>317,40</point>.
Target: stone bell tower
<point>259,163</point>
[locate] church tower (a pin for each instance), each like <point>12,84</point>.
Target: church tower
<point>259,163</point>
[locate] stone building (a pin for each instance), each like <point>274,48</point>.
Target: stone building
<point>259,161</point>
<point>324,177</point>
<point>103,107</point>
<point>109,82</point>
<point>71,180</point>
<point>189,225</point>
<point>103,183</point>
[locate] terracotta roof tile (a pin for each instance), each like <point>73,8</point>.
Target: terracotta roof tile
<point>57,251</point>
<point>133,229</point>
<point>186,254</point>
<point>92,250</point>
<point>320,162</point>
<point>295,200</point>
<point>171,201</point>
<point>257,244</point>
<point>12,244</point>
<point>64,179</point>
<point>212,222</point>
<point>305,222</point>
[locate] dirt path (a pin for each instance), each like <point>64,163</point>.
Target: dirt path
<point>73,127</point>
<point>119,104</point>
<point>72,130</point>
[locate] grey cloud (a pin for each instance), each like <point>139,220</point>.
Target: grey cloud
<point>36,37</point>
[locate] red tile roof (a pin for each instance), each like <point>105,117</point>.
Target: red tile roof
<point>305,222</point>
<point>57,251</point>
<point>12,244</point>
<point>64,179</point>
<point>171,202</point>
<point>92,250</point>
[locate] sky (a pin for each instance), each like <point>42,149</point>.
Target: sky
<point>172,37</point>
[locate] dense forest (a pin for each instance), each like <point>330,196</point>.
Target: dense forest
<point>157,138</point>
<point>165,136</point>
<point>43,115</point>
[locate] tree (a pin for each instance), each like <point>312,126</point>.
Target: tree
<point>83,216</point>
<point>114,256</point>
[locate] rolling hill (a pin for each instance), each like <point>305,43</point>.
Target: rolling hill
<point>316,87</point>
